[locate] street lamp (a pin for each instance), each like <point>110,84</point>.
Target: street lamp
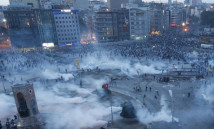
<point>4,20</point>
<point>171,95</point>
<point>183,24</point>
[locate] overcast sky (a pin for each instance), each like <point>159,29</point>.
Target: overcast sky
<point>6,2</point>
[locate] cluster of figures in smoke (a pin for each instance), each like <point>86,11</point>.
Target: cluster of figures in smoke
<point>10,124</point>
<point>156,96</point>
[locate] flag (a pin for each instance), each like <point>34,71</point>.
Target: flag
<point>137,72</point>
<point>105,86</point>
<point>78,64</point>
<point>209,69</point>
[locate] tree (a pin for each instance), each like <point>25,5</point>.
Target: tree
<point>207,18</point>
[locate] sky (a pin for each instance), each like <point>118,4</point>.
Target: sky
<point>6,2</point>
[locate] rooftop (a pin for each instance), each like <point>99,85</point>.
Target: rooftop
<point>22,85</point>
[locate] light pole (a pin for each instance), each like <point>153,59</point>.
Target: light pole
<point>3,84</point>
<point>171,95</point>
<point>4,21</point>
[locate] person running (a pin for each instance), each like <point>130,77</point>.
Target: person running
<point>188,94</point>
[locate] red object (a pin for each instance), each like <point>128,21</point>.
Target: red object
<point>138,72</point>
<point>105,86</point>
<point>173,25</point>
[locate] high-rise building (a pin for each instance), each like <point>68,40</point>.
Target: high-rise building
<point>187,2</point>
<point>49,3</point>
<point>169,2</point>
<point>81,4</point>
<point>177,16</point>
<point>139,19</point>
<point>29,27</point>
<point>116,4</point>
<point>67,26</point>
<point>159,18</point>
<point>195,2</point>
<point>33,3</point>
<point>112,26</point>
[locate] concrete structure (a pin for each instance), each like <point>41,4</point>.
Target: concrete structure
<point>33,3</point>
<point>196,11</point>
<point>2,19</point>
<point>187,2</point>
<point>28,112</point>
<point>116,4</point>
<point>139,3</point>
<point>47,4</point>
<point>67,26</point>
<point>81,4</point>
<point>139,19</point>
<point>159,18</point>
<point>96,4</point>
<point>112,26</point>
<point>195,2</point>
<point>169,2</point>
<point>177,16</point>
<point>129,5</point>
<point>30,27</point>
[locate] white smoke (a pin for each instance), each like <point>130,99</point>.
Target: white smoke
<point>7,106</point>
<point>164,114</point>
<point>206,92</point>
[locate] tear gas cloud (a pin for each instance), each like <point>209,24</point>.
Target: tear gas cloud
<point>164,114</point>
<point>76,111</point>
<point>7,106</point>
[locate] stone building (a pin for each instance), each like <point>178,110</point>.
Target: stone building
<point>28,112</point>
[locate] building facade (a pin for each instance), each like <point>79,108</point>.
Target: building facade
<point>29,27</point>
<point>33,3</point>
<point>139,19</point>
<point>159,16</point>
<point>81,4</point>
<point>67,26</point>
<point>177,16</point>
<point>112,26</point>
<point>115,4</point>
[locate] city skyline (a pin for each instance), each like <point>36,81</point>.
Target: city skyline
<point>6,2</point>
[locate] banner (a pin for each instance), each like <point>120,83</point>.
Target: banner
<point>78,64</point>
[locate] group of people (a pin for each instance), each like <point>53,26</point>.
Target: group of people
<point>10,124</point>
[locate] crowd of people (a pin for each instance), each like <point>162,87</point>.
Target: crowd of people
<point>169,46</point>
<point>10,124</point>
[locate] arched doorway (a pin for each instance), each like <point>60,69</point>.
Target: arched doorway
<point>22,109</point>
